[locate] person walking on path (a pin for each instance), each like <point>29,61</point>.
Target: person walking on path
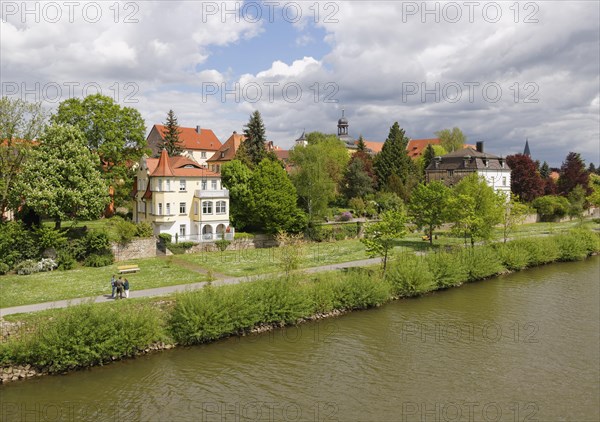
<point>119,284</point>
<point>126,287</point>
<point>113,285</point>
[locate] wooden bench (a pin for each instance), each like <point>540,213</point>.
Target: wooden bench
<point>128,269</point>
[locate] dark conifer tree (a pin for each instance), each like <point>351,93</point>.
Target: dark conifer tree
<point>171,141</point>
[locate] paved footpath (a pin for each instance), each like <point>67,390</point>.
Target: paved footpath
<point>160,291</point>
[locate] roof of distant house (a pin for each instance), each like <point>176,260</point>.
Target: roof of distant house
<point>416,147</point>
<point>227,151</point>
<point>192,140</point>
<point>176,166</point>
<point>468,158</point>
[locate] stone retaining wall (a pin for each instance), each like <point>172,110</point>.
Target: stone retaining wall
<point>136,249</point>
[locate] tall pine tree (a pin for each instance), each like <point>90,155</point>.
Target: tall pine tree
<point>252,151</point>
<point>171,141</point>
<point>393,159</point>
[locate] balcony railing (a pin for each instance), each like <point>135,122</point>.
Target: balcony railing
<point>223,193</point>
<point>210,237</point>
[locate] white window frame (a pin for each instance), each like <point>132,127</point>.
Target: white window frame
<point>213,185</point>
<point>203,154</point>
<point>182,185</point>
<point>182,230</point>
<point>221,207</point>
<point>203,187</point>
<point>182,206</point>
<point>207,207</point>
<point>160,208</point>
<point>168,208</point>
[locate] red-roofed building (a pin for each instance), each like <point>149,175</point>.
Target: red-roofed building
<point>197,143</point>
<point>416,147</point>
<point>179,196</point>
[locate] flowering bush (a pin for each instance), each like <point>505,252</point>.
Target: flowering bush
<point>346,216</point>
<point>30,266</point>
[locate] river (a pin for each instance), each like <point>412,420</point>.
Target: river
<point>520,347</point>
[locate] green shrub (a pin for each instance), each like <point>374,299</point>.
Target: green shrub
<point>65,261</point>
<point>448,269</point>
<point>4,268</point>
<point>180,248</point>
<point>481,262</point>
<point>143,229</point>
<point>590,239</point>
<point>242,235</point>
<point>97,242</point>
<point>99,260</point>
<point>84,335</point>
<point>125,230</point>
<point>572,247</point>
<point>281,300</point>
<point>513,255</point>
<point>551,207</point>
<point>165,238</point>
<point>323,293</point>
<point>541,250</point>
<point>17,243</point>
<point>222,244</point>
<point>410,276</point>
<point>359,290</point>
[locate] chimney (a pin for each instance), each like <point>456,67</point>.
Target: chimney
<point>479,146</point>
<point>198,129</point>
<point>437,162</point>
<point>235,132</point>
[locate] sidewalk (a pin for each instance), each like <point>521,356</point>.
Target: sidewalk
<point>160,291</point>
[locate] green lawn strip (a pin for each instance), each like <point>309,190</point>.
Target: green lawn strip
<point>16,290</point>
<point>267,260</point>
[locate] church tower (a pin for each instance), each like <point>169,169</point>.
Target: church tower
<point>526,150</point>
<point>342,126</point>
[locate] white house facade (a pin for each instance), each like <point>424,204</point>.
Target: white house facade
<point>179,196</point>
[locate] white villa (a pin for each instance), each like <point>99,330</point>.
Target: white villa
<point>180,197</point>
<point>452,167</point>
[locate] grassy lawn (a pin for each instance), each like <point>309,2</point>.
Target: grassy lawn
<point>263,261</point>
<point>18,290</point>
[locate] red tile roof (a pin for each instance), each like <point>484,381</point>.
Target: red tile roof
<point>227,151</point>
<point>192,140</point>
<point>176,166</point>
<point>416,147</point>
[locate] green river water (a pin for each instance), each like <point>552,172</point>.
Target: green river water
<point>521,347</point>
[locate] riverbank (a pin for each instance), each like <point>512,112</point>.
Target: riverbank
<point>96,334</point>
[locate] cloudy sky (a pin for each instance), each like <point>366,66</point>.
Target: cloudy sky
<point>501,71</point>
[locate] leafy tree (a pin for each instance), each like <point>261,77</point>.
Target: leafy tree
<point>274,199</point>
<point>594,197</point>
<point>318,169</point>
<point>357,183</point>
<point>428,206</point>
<point>551,207</point>
<point>253,148</point>
<point>451,139</point>
<point>171,140</point>
<point>513,214</point>
<point>116,134</point>
<point>525,180</point>
<point>393,160</point>
<point>380,237</point>
<point>573,173</point>
<point>577,202</point>
<point>20,123</point>
<point>61,179</point>
<point>236,176</point>
<point>550,187</point>
<point>475,208</point>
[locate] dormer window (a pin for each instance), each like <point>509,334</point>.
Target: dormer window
<point>222,155</point>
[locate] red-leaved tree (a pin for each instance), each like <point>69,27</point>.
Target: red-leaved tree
<point>525,179</point>
<point>573,173</point>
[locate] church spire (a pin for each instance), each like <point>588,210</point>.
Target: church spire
<point>526,150</point>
